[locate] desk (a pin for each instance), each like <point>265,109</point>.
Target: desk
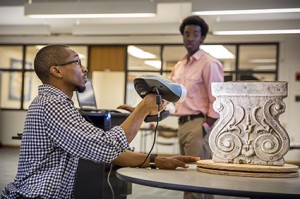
<point>105,120</point>
<point>193,181</point>
<point>92,177</point>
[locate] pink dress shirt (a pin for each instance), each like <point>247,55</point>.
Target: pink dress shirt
<point>197,74</point>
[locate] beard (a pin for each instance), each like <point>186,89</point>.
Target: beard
<point>80,89</point>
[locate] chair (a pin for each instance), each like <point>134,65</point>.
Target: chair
<point>167,136</point>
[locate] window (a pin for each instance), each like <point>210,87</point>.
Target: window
<point>11,76</point>
<point>18,81</point>
<point>119,65</point>
<point>145,58</point>
<point>240,61</point>
<point>258,62</point>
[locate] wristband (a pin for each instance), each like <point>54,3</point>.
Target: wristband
<point>152,161</point>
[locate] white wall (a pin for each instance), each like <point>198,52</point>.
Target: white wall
<point>12,121</point>
<point>110,89</point>
<point>289,65</point>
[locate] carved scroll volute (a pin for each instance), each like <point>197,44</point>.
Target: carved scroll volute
<point>248,131</point>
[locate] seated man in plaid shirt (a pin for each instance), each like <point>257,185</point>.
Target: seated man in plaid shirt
<point>56,136</point>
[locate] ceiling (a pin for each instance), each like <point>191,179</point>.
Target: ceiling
<point>169,15</point>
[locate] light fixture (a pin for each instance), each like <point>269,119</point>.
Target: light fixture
<point>257,27</point>
<point>139,53</point>
<point>265,67</point>
<point>231,7</point>
<point>217,51</point>
<point>153,63</point>
<point>257,32</point>
<point>262,61</point>
<point>94,9</point>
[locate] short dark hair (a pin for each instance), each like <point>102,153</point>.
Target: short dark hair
<point>197,21</point>
<point>48,56</point>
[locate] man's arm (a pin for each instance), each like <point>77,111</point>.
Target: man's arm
<point>133,159</point>
<point>126,107</point>
<point>134,121</point>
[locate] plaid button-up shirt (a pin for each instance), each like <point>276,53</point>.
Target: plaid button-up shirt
<point>55,137</point>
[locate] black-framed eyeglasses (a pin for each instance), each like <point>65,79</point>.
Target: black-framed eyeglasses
<point>78,61</point>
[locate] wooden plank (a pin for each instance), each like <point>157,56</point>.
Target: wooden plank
<point>247,167</point>
<point>248,174</point>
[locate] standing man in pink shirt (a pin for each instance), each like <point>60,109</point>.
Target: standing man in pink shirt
<point>196,71</point>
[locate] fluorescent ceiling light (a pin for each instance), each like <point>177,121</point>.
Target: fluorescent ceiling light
<point>231,7</point>
<point>265,67</point>
<point>257,27</point>
<point>262,61</point>
<point>256,32</point>
<point>127,15</point>
<point>241,12</point>
<point>139,53</point>
<point>95,9</point>
<point>217,51</point>
<point>153,63</point>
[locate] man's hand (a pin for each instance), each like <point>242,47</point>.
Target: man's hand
<point>149,102</point>
<point>174,161</point>
<point>134,121</point>
<point>133,159</point>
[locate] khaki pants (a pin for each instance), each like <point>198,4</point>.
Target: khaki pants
<point>193,141</point>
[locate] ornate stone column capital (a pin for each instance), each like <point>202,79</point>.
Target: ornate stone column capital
<point>249,131</point>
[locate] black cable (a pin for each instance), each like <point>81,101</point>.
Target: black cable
<point>108,181</point>
<point>158,102</point>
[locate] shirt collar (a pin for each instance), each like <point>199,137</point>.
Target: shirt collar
<point>196,56</point>
<point>47,89</point>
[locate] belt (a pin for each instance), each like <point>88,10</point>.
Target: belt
<point>186,118</point>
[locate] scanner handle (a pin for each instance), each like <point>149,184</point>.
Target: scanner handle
<point>153,118</point>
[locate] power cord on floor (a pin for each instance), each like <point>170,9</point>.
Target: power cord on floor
<point>108,182</point>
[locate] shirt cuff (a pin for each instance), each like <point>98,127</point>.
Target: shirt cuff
<point>121,140</point>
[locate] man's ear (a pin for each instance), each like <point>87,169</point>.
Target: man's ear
<point>55,71</point>
<point>202,39</point>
